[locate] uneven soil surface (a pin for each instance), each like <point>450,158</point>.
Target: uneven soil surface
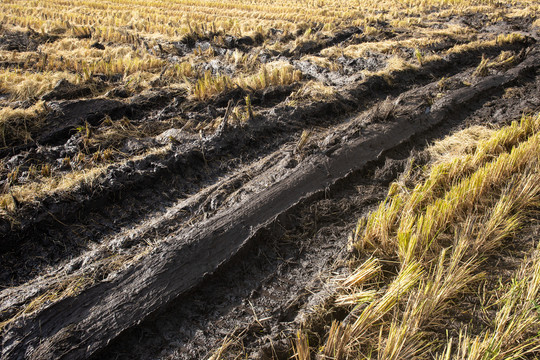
<point>225,243</point>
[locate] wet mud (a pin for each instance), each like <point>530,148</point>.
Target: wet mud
<point>229,238</point>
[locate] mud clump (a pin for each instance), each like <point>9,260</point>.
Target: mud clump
<point>67,115</point>
<point>64,90</point>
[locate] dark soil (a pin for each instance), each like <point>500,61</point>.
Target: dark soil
<point>23,41</point>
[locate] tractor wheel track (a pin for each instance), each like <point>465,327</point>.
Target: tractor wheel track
<point>80,326</point>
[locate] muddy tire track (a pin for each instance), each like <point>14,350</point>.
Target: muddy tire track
<point>139,185</point>
<point>80,326</point>
<point>265,304</point>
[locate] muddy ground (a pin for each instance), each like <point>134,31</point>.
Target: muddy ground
<point>230,238</point>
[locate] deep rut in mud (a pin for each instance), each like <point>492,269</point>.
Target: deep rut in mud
<point>265,233</point>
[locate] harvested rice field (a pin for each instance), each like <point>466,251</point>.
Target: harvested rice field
<point>320,179</point>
